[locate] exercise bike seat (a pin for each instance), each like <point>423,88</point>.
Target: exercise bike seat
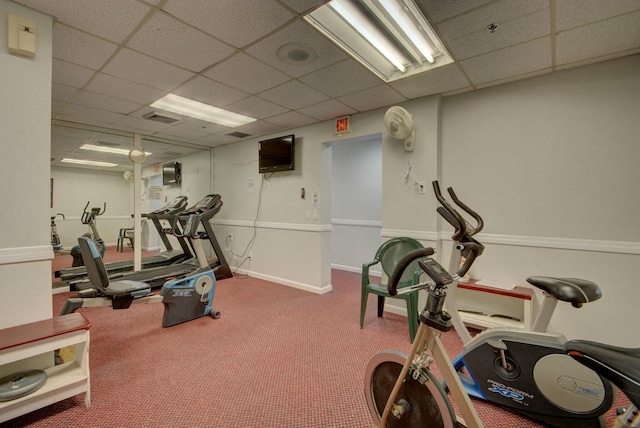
<point>99,277</point>
<point>573,290</point>
<point>618,365</point>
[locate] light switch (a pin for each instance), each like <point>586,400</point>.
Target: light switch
<point>22,36</point>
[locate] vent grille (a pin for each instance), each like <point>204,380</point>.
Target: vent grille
<point>239,134</point>
<point>107,144</point>
<point>173,153</point>
<point>160,117</point>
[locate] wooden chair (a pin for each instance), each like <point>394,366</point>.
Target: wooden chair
<point>388,256</point>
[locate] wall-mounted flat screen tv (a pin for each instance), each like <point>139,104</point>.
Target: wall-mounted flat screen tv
<point>171,173</point>
<point>277,154</point>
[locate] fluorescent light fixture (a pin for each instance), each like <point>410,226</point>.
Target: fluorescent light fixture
<point>88,162</point>
<point>390,37</point>
<point>359,22</point>
<point>198,110</point>
<point>105,149</point>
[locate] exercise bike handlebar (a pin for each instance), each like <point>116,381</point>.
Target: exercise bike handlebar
<point>465,207</point>
<point>459,223</point>
<point>404,262</point>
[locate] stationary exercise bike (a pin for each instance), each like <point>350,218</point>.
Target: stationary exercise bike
<point>402,391</point>
<point>526,371</point>
<point>89,218</point>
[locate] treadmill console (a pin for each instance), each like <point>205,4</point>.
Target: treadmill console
<point>207,203</point>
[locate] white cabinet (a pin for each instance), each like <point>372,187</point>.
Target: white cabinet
<point>63,380</point>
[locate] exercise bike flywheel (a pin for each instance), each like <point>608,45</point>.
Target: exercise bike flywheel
<point>421,402</point>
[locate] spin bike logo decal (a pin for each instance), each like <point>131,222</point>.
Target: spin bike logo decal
<point>508,392</point>
<point>182,293</point>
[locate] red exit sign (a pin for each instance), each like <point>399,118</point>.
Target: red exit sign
<point>342,125</point>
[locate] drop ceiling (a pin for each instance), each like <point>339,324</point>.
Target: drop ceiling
<point>112,58</point>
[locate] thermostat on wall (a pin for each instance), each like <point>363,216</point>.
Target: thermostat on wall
<point>22,36</point>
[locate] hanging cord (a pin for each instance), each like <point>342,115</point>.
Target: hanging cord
<point>255,230</point>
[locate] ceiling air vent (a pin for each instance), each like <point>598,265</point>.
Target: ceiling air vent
<point>173,153</point>
<point>164,118</point>
<point>239,134</point>
<point>107,144</point>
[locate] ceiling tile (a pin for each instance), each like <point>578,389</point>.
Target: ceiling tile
<point>508,33</point>
<point>256,107</point>
<point>92,114</point>
<point>181,133</point>
<point>124,89</point>
<point>202,126</point>
<point>259,127</point>
<point>372,98</point>
<point>500,12</point>
<point>62,92</point>
<point>341,78</point>
<point>148,71</point>
<point>104,102</point>
<point>443,79</point>
<point>56,107</point>
<point>95,17</point>
<point>300,33</point>
<point>439,10</point>
<point>170,40</point>
<point>70,74</point>
<point>302,6</point>
<point>291,119</point>
<point>216,140</point>
<point>327,110</point>
<point>251,19</point>
<point>599,39</point>
<point>509,62</point>
<point>293,95</point>
<point>80,48</point>
<point>210,92</point>
<point>573,13</point>
<point>247,73</point>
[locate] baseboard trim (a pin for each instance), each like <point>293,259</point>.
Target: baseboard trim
<point>299,285</point>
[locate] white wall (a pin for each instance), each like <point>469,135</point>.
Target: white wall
<point>301,257</point>
<point>551,165</point>
<point>356,201</point>
<point>25,121</point>
<point>549,162</point>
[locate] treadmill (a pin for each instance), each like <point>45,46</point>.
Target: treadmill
<point>170,256</point>
<point>206,209</point>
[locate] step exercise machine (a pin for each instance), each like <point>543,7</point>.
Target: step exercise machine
<point>184,299</point>
<point>89,218</point>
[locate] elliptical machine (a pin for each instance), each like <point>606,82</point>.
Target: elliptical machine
<point>55,238</point>
<point>521,370</point>
<point>89,218</point>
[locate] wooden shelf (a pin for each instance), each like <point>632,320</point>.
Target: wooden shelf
<point>64,380</point>
<point>484,307</point>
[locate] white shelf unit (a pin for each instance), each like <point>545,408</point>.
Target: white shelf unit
<point>63,380</point>
<point>484,307</point>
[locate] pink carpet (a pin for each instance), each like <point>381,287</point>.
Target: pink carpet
<point>277,357</point>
